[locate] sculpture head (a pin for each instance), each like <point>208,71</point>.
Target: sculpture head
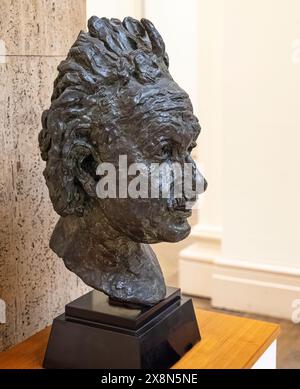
<point>115,96</point>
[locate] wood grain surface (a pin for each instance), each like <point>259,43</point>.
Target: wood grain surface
<point>228,342</point>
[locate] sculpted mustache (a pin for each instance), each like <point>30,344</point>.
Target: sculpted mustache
<point>179,204</point>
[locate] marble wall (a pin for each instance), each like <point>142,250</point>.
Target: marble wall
<point>34,283</point>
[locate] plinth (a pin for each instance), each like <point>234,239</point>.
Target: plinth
<point>98,333</point>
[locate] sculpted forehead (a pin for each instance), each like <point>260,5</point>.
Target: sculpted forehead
<point>160,108</point>
<point>164,95</point>
<point>178,126</point>
<point>166,113</point>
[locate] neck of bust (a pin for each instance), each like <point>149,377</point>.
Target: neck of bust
<point>106,259</point>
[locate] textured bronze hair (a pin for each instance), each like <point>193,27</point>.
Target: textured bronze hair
<point>105,66</point>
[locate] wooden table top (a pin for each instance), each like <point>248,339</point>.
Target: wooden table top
<point>228,342</point>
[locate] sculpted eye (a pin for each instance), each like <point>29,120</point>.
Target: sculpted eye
<point>192,146</point>
<point>165,151</point>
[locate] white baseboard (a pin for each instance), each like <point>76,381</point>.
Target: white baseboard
<point>196,271</point>
<point>207,232</point>
<point>238,285</point>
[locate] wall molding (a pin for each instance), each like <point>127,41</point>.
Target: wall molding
<point>238,285</point>
<point>207,232</point>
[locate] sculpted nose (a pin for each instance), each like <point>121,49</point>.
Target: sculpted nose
<point>198,185</point>
<point>205,185</point>
<point>201,183</point>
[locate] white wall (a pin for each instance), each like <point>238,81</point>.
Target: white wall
<point>261,111</point>
<point>256,97</point>
<point>114,8</point>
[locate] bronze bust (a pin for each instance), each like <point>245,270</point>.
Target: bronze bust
<point>114,96</point>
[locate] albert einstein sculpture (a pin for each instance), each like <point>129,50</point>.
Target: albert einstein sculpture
<point>114,96</point>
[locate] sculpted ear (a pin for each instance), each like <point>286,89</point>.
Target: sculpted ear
<point>82,160</point>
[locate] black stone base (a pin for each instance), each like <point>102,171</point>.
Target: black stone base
<point>97,333</point>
